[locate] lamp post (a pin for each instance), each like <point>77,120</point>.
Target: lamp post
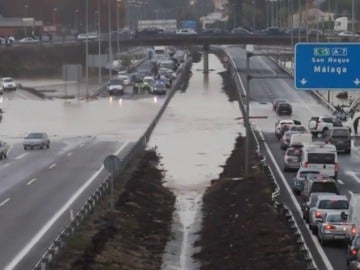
<point>54,20</point>
<point>110,47</point>
<point>117,26</point>
<point>54,16</point>
<point>25,15</point>
<point>99,40</point>
<point>87,47</point>
<point>76,23</point>
<point>353,18</point>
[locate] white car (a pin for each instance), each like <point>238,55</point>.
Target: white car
<point>186,32</point>
<point>7,84</point>
<point>124,78</point>
<point>87,36</point>
<point>115,86</point>
<point>347,34</point>
<point>29,40</point>
<point>36,139</point>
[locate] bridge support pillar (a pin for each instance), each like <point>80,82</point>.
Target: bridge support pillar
<point>206,58</point>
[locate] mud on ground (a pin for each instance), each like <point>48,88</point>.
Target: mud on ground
<point>241,228</point>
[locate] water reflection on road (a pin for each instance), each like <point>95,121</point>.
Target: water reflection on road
<point>124,119</point>
<point>194,137</point>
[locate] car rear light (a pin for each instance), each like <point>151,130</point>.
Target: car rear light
<point>354,251</point>
<point>318,214</point>
<point>336,166</point>
<point>329,227</point>
<point>306,164</point>
<point>353,230</point>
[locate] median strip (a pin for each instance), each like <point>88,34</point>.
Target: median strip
<point>31,181</point>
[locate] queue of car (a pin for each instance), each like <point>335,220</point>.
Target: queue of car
<point>312,152</point>
<point>155,77</point>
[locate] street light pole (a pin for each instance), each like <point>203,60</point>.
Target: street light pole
<point>353,18</point>
<point>110,47</point>
<point>76,21</point>
<point>25,15</point>
<point>54,20</point>
<point>99,40</point>
<point>87,47</point>
<point>117,27</point>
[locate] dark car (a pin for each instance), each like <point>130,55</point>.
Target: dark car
<point>272,31</point>
<point>353,249</point>
<point>341,138</point>
<point>284,108</point>
<point>277,101</point>
<point>149,32</point>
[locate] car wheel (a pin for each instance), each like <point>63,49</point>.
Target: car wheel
<point>321,240</point>
<point>25,147</point>
<point>48,146</point>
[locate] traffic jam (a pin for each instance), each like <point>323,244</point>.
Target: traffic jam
<point>311,151</point>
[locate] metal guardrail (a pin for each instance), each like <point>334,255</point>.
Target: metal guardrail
<point>48,258</point>
<point>280,207</point>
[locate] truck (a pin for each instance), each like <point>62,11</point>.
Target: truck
<point>341,24</point>
<point>169,26</point>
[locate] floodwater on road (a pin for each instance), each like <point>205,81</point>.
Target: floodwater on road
<point>119,118</point>
<point>194,137</point>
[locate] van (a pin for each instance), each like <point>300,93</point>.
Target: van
<point>341,138</point>
<point>304,139</point>
<point>321,156</point>
<point>354,214</point>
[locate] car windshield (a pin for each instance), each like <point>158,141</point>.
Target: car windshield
<point>8,80</point>
<point>114,82</point>
<point>34,136</point>
<point>334,218</point>
<point>298,128</point>
<point>333,204</point>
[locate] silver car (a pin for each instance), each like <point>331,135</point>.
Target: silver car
<point>326,204</point>
<point>292,158</point>
<point>36,139</point>
<point>334,227</point>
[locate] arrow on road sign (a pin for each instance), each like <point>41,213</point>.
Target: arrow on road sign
<point>303,81</point>
<point>357,81</point>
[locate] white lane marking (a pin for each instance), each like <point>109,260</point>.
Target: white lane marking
<point>314,239</point>
<point>22,95</point>
<point>31,181</point>
<point>81,145</point>
<point>353,174</point>
<point>52,166</point>
<point>54,218</point>
<point>5,201</point>
<point>340,182</point>
<point>69,154</point>
<point>21,156</point>
<point>5,165</point>
<point>8,151</point>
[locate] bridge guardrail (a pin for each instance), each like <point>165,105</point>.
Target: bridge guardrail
<point>48,258</point>
<point>279,206</point>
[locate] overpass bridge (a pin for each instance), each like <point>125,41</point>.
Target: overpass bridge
<point>54,55</point>
<point>207,40</point>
